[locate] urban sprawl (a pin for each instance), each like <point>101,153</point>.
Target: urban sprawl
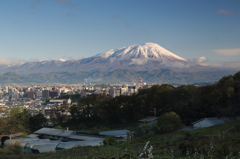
<point>42,99</point>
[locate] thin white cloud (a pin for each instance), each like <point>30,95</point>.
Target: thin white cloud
<point>202,59</point>
<point>222,11</point>
<point>198,60</point>
<point>228,52</point>
<point>138,61</point>
<point>14,61</point>
<point>10,61</point>
<point>166,63</point>
<point>177,64</point>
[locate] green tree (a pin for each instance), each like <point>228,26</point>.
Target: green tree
<point>186,101</point>
<point>87,105</point>
<point>37,121</point>
<point>59,116</point>
<point>144,129</point>
<point>109,140</point>
<point>16,121</point>
<point>109,111</point>
<point>168,122</point>
<point>65,102</point>
<point>161,98</point>
<point>75,112</point>
<point>48,99</point>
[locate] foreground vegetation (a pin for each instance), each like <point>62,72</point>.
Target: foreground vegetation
<point>220,141</point>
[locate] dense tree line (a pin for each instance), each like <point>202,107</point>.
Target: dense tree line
<point>190,102</point>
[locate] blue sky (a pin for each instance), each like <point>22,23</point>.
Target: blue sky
<point>70,29</point>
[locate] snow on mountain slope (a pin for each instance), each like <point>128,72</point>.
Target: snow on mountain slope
<point>147,50</point>
<point>149,56</point>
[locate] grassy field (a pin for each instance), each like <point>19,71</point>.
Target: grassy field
<point>219,141</point>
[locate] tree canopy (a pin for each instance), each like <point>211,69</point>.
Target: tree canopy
<point>15,121</point>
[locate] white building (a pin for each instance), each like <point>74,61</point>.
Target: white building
<point>114,92</point>
<point>61,101</point>
<point>207,122</point>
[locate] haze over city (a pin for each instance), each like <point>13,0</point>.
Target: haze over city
<point>202,31</point>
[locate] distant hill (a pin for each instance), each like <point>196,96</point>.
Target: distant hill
<point>117,76</point>
<point>11,73</point>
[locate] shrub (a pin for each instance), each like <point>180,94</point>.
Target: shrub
<point>109,140</point>
<point>144,129</point>
<point>58,127</point>
<point>14,147</point>
<point>6,151</point>
<point>168,122</point>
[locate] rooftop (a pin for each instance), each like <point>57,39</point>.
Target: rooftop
<point>148,119</point>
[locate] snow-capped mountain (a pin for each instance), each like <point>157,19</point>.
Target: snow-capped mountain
<point>149,56</point>
<point>147,50</point>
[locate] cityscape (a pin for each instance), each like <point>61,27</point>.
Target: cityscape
<point>41,99</point>
<point>119,79</point>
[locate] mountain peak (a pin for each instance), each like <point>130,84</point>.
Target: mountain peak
<point>148,51</point>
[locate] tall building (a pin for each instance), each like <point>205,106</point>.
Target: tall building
<point>6,89</point>
<point>53,94</point>
<point>45,94</point>
<point>124,91</point>
<point>10,91</point>
<point>31,95</point>
<point>15,95</point>
<point>1,95</point>
<point>133,89</point>
<point>38,93</point>
<point>114,92</point>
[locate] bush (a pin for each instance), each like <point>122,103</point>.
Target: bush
<point>58,127</point>
<point>168,123</point>
<point>14,147</point>
<point>145,129</point>
<point>6,151</point>
<point>109,140</point>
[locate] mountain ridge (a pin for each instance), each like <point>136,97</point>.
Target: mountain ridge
<point>111,77</point>
<point>150,61</point>
<point>149,56</point>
